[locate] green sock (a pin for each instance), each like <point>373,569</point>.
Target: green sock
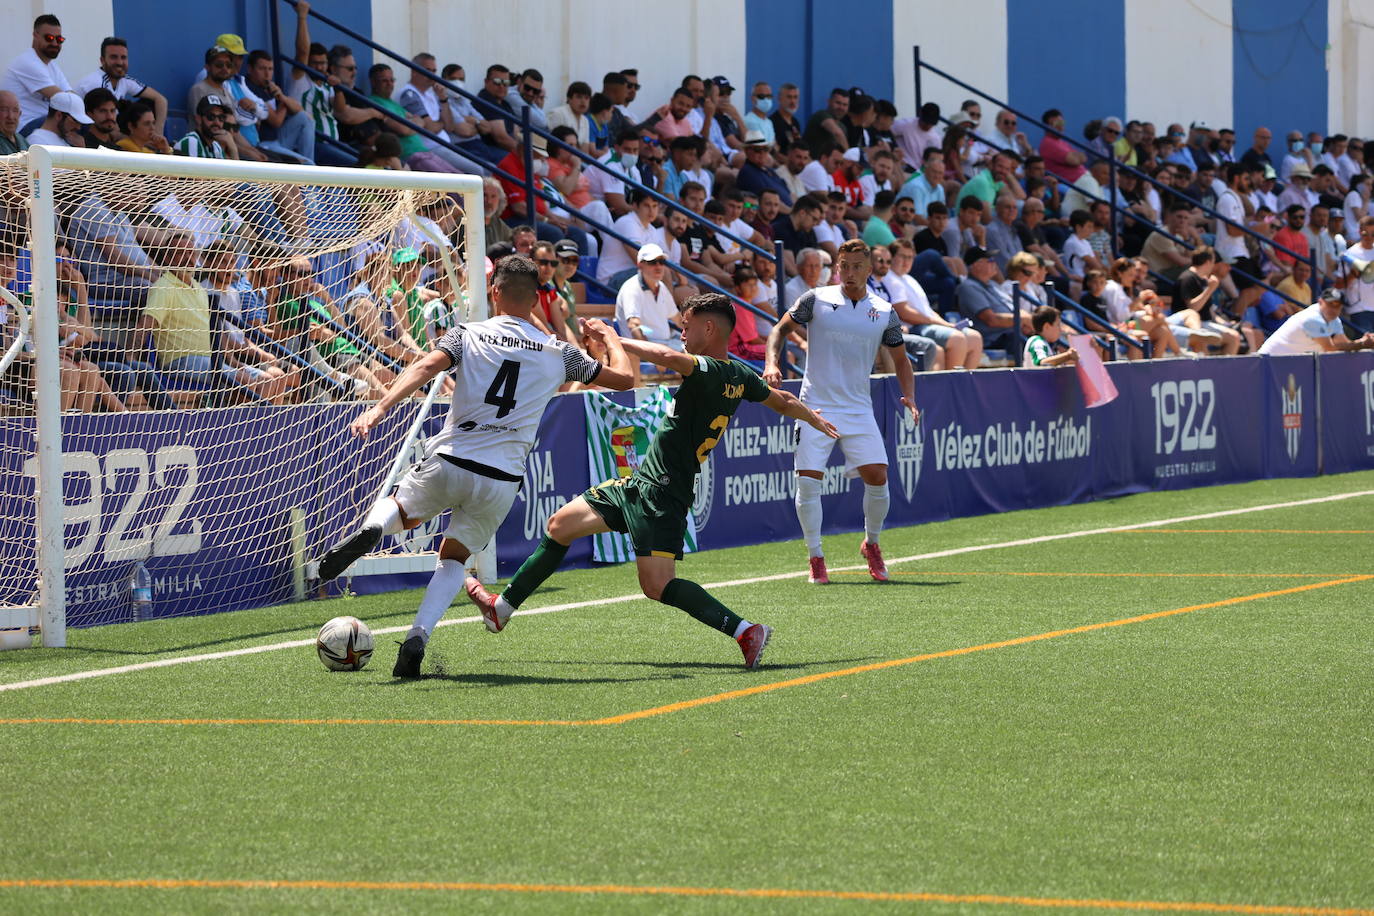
<point>686,595</point>
<point>532,573</point>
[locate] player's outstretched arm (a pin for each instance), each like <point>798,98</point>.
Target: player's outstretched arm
<point>789,405</point>
<point>666,357</point>
<point>772,363</point>
<point>415,376</point>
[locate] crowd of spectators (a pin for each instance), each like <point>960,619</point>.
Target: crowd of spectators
<point>1187,246</point>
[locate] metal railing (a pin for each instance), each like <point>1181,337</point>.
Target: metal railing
<point>1118,337</point>
<point>1115,167</point>
<point>533,192</point>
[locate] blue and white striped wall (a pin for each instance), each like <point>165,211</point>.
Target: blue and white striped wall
<point>1236,63</point>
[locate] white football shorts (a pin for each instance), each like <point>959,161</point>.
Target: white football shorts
<point>479,503</point>
<point>859,439</point>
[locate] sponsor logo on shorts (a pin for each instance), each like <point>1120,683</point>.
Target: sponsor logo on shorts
<point>468,426</point>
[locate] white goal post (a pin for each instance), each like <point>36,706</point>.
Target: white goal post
<point>48,169</point>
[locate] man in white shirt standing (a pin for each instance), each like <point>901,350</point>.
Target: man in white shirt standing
<point>845,326</point>
<point>34,76</point>
<point>1230,245</point>
<point>114,76</point>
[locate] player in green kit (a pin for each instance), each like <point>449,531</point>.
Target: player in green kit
<point>651,506</point>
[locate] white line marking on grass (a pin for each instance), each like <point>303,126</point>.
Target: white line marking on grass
<point>621,599</point>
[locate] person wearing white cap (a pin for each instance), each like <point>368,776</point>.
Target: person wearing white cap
<point>644,307</point>
<point>62,126</point>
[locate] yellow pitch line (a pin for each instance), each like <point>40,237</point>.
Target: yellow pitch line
<point>259,721</point>
<point>1176,906</point>
<point>729,694</point>
<point>967,650</point>
<point>1093,575</point>
<point>1243,531</point>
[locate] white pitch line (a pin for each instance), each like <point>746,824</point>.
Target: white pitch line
<point>620,599</point>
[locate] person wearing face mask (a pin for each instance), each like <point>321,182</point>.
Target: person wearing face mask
<point>1296,153</point>
<point>760,107</point>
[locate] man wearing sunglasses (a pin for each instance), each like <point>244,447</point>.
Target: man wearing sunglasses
<point>210,139</point>
<point>631,91</point>
<point>528,89</point>
<point>34,76</point>
<point>1004,134</point>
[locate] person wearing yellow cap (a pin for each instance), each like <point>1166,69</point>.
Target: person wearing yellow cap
<point>232,43</point>
<point>220,67</point>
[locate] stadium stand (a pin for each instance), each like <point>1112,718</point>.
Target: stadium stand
<point>713,188</point>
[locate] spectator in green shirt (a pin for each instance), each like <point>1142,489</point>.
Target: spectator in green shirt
<point>998,176</point>
<point>1040,348</point>
<point>876,230</point>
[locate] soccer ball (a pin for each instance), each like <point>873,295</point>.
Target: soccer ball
<point>344,644</point>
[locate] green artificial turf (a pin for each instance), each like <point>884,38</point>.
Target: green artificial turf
<point>1217,756</point>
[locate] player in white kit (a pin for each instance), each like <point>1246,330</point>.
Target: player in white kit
<point>505,371</point>
<point>845,325</point>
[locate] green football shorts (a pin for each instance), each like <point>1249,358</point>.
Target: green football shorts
<point>656,525</point>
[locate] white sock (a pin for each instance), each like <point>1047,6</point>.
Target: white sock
<point>809,512</point>
<point>503,607</point>
<point>439,594</point>
<point>743,625</point>
<point>876,502</point>
<point>387,513</point>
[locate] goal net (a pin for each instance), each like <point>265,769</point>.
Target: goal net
<point>184,343</point>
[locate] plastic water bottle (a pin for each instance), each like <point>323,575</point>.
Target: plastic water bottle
<point>141,591</point>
